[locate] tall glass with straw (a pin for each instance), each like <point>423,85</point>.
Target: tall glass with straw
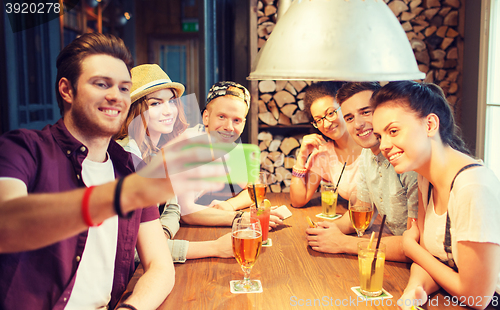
<point>329,196</point>
<point>257,190</point>
<point>371,265</point>
<point>261,209</point>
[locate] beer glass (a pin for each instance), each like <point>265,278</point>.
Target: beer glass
<point>247,243</point>
<point>360,211</point>
<point>260,187</point>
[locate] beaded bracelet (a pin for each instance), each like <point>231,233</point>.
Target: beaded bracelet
<point>299,173</point>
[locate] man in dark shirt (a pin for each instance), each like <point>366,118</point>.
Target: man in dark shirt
<point>57,186</point>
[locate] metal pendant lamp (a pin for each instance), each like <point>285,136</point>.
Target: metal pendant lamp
<point>349,40</point>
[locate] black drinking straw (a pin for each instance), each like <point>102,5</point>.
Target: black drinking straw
<point>376,248</point>
<point>255,196</point>
<point>338,182</point>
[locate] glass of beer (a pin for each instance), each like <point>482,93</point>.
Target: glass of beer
<point>371,268</point>
<point>260,187</point>
<point>247,242</point>
<point>329,197</point>
<point>360,211</point>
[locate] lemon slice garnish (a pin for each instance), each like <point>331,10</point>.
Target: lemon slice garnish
<point>328,197</point>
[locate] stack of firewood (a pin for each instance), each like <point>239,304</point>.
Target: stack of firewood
<point>432,27</point>
<point>278,155</point>
<point>433,30</point>
<point>282,102</point>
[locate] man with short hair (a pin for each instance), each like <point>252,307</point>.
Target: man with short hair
<point>394,195</point>
<point>225,114</point>
<point>68,228</point>
<point>224,119</point>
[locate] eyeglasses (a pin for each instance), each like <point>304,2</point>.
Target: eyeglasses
<point>330,116</point>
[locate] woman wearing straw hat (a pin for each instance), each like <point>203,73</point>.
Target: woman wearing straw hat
<point>156,117</point>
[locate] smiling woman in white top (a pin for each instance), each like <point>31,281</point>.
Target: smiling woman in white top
<point>456,242</point>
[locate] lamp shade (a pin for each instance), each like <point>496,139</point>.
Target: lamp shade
<point>349,40</point>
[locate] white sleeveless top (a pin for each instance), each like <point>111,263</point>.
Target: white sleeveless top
<point>474,209</point>
<point>433,239</point>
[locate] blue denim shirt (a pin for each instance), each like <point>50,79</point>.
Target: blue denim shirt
<point>393,194</point>
<point>50,161</point>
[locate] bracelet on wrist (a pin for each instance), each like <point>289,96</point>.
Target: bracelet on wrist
<point>116,201</point>
<point>127,306</point>
<point>299,173</point>
<point>85,208</point>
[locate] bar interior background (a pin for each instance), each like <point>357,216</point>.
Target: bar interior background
<point>199,42</point>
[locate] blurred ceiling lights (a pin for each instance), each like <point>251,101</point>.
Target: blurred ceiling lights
<point>124,18</point>
<point>349,40</point>
<point>93,3</point>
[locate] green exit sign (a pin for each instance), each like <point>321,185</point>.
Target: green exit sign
<point>191,26</point>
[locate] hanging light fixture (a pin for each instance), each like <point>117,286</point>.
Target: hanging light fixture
<point>350,40</point>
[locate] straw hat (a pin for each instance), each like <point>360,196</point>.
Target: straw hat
<point>149,78</point>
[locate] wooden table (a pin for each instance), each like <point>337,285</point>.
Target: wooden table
<point>292,274</point>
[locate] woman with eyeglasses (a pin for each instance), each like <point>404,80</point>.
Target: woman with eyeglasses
<point>322,156</point>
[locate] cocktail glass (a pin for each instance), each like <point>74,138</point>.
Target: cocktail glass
<point>371,268</point>
<point>262,213</point>
<point>329,197</point>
